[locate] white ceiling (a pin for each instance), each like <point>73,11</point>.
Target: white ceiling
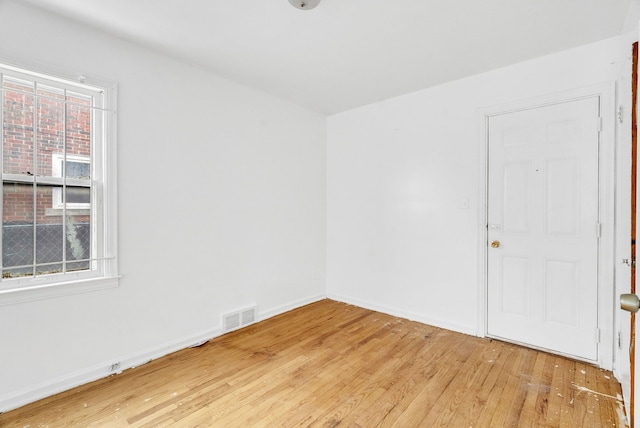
<point>347,53</point>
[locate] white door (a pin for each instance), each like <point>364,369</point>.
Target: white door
<point>543,227</point>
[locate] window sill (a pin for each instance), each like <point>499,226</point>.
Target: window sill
<point>49,291</point>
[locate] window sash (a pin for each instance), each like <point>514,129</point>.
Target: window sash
<point>45,180</point>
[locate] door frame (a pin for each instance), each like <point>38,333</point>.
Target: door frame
<point>606,205</point>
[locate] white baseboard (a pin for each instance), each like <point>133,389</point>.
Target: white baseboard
<point>99,371</point>
<point>102,370</point>
<point>290,306</point>
<point>436,322</point>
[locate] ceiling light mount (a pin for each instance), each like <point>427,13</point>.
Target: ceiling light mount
<point>304,4</point>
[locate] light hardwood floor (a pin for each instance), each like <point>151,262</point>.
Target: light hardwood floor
<point>330,364</point>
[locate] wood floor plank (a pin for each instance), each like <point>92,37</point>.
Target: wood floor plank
<point>488,396</point>
<point>440,372</point>
<point>331,364</point>
<point>454,400</point>
<point>403,392</point>
<point>406,379</point>
<point>370,385</point>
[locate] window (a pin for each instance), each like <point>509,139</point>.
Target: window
<point>58,181</point>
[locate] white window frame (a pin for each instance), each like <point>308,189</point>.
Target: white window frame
<point>104,263</point>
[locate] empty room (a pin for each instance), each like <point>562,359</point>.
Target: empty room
<point>279,213</point>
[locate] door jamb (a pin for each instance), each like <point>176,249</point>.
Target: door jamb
<point>606,202</point>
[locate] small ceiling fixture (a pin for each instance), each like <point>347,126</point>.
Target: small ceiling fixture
<point>304,4</point>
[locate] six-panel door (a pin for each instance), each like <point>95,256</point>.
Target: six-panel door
<point>543,223</point>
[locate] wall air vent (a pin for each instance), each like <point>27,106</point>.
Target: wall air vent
<point>231,321</point>
<point>248,316</point>
<point>238,319</point>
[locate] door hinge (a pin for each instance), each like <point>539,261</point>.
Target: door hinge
<point>620,113</point>
<point>599,124</point>
<point>597,335</point>
<point>598,230</point>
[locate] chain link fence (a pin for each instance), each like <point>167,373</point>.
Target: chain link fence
<point>17,248</point>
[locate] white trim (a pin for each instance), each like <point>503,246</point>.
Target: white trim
<point>101,370</point>
<point>109,169</point>
<point>53,290</point>
<point>483,136</point>
<point>289,306</point>
<point>607,168</point>
<point>436,322</point>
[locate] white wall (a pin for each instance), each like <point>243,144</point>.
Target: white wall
<point>221,205</point>
<point>400,172</point>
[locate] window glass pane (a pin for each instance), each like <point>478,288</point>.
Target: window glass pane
<point>78,231</point>
<point>50,130</point>
<point>78,169</point>
<point>49,234</point>
<point>17,229</point>
<point>45,91</point>
<point>78,144</point>
<point>78,195</point>
<point>17,129</point>
<point>18,84</point>
<point>79,99</point>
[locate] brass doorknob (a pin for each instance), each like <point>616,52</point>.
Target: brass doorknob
<point>495,244</point>
<point>629,302</point>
